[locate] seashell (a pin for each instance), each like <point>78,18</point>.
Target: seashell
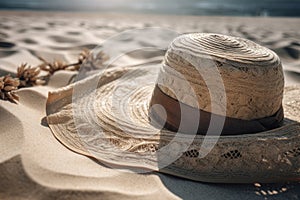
<point>251,75</point>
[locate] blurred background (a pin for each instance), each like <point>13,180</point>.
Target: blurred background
<point>290,8</point>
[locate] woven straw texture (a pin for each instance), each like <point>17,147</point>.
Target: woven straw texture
<point>115,129</point>
<point>248,71</point>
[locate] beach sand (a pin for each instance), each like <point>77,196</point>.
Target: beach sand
<point>34,165</point>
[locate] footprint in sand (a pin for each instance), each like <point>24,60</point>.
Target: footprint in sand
<point>4,27</point>
<point>6,45</point>
<point>3,35</point>
<point>61,39</point>
<point>37,28</point>
<point>22,30</point>
<point>29,41</point>
<point>293,51</point>
<point>73,33</point>
<point>6,53</point>
<point>79,48</point>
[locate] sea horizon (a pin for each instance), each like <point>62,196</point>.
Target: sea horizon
<point>283,8</point>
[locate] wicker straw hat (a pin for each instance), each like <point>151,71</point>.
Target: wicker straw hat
<point>215,110</point>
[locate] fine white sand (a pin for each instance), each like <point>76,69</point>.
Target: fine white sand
<point>34,165</point>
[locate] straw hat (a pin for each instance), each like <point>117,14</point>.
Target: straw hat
<point>212,111</point>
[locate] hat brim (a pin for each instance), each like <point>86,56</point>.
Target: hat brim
<point>110,123</point>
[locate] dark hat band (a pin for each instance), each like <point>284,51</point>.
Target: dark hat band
<point>182,116</point>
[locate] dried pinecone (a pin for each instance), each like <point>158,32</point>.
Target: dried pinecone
<point>83,56</point>
<point>52,67</point>
<point>56,66</point>
<point>29,76</point>
<point>7,87</point>
<point>86,55</point>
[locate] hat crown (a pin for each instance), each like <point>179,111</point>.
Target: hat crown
<point>251,74</point>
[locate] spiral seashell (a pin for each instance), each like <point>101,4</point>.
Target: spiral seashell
<point>251,74</point>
